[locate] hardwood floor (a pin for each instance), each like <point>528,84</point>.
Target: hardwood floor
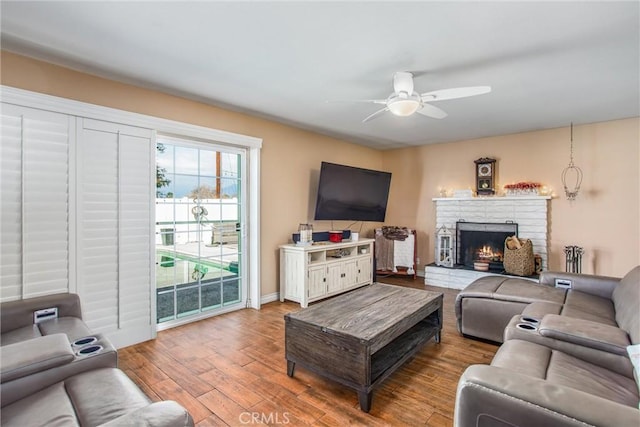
<point>231,370</point>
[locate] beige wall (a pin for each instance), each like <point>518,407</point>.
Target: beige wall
<point>604,219</point>
<point>290,159</point>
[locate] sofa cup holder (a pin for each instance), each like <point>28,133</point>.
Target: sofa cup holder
<point>526,327</point>
<point>81,342</point>
<point>531,320</point>
<point>89,350</point>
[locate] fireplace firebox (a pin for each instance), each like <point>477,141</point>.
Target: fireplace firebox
<point>482,242</point>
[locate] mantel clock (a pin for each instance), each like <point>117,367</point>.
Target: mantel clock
<point>485,176</point>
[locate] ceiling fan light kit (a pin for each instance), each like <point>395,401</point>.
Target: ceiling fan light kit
<point>404,102</point>
<point>404,107</point>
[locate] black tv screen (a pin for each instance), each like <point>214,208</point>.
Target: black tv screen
<point>350,193</point>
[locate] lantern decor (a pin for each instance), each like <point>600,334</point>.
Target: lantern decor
<point>444,247</point>
<point>571,176</point>
<point>573,257</point>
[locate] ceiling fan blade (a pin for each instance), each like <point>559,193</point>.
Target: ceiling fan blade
<point>375,115</point>
<point>431,111</point>
<point>458,92</point>
<point>368,101</point>
<point>403,82</point>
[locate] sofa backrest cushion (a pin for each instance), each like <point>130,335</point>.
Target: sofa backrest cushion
<point>18,314</point>
<point>626,300</point>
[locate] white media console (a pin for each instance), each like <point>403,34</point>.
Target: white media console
<point>310,273</point>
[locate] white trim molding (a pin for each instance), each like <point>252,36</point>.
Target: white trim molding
<point>265,299</point>
<point>11,95</point>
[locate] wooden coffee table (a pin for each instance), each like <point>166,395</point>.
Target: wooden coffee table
<point>360,338</point>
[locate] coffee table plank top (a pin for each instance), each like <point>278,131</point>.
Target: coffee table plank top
<point>368,312</point>
<point>361,337</point>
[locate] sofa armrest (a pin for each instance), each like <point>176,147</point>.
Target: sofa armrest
<point>601,286</point>
<point>613,361</point>
<point>489,395</point>
<point>158,414</point>
<point>585,333</point>
<point>17,314</point>
<point>32,356</point>
<point>20,388</point>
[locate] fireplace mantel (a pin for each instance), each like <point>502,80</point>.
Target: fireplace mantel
<point>529,212</point>
<point>491,198</point>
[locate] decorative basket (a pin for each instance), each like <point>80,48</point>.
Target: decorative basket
<point>520,261</point>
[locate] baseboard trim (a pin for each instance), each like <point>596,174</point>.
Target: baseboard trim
<point>264,299</point>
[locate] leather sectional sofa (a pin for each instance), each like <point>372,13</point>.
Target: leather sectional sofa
<point>564,360</point>
<point>54,371</point>
<point>18,322</point>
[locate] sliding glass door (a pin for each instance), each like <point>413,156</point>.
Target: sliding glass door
<point>200,268</point>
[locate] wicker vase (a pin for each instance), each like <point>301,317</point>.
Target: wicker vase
<point>520,262</point>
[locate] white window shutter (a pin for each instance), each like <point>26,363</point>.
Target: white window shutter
<point>36,246</point>
<point>115,219</point>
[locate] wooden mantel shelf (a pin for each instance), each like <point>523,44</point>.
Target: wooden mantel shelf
<point>490,198</point>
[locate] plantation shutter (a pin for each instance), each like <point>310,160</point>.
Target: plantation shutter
<point>115,254</point>
<point>36,205</point>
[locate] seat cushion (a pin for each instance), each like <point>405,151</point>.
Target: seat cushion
<point>88,399</point>
<point>537,310</point>
<point>20,334</point>
<point>561,369</point>
<point>589,307</point>
<point>74,327</point>
<point>30,357</point>
<point>103,395</point>
<point>520,290</point>
<point>50,407</point>
<point>19,313</point>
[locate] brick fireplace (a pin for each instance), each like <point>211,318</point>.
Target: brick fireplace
<point>528,212</point>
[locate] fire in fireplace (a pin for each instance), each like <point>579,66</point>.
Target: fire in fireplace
<point>482,242</point>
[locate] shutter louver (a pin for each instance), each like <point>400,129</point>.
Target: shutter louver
<point>98,217</point>
<point>135,230</point>
<point>35,202</point>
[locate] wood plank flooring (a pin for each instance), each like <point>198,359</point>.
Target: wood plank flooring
<point>230,370</point>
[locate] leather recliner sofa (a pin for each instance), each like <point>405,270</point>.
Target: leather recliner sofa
<point>101,397</point>
<point>39,350</point>
<point>56,372</point>
<point>18,322</point>
<point>562,363</point>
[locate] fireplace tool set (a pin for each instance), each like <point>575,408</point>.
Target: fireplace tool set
<point>573,256</point>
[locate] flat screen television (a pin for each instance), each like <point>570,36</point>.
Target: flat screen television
<point>353,194</point>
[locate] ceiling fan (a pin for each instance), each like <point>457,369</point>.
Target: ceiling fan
<point>405,102</point>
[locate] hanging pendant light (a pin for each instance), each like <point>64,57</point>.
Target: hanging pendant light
<point>571,176</point>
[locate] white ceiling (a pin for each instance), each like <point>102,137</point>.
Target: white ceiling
<point>549,63</point>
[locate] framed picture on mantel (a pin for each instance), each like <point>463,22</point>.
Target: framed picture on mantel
<point>485,176</point>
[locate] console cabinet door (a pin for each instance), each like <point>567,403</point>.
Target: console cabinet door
<point>365,272</point>
<point>292,275</point>
<point>349,273</point>
<point>317,282</point>
<point>334,277</point>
